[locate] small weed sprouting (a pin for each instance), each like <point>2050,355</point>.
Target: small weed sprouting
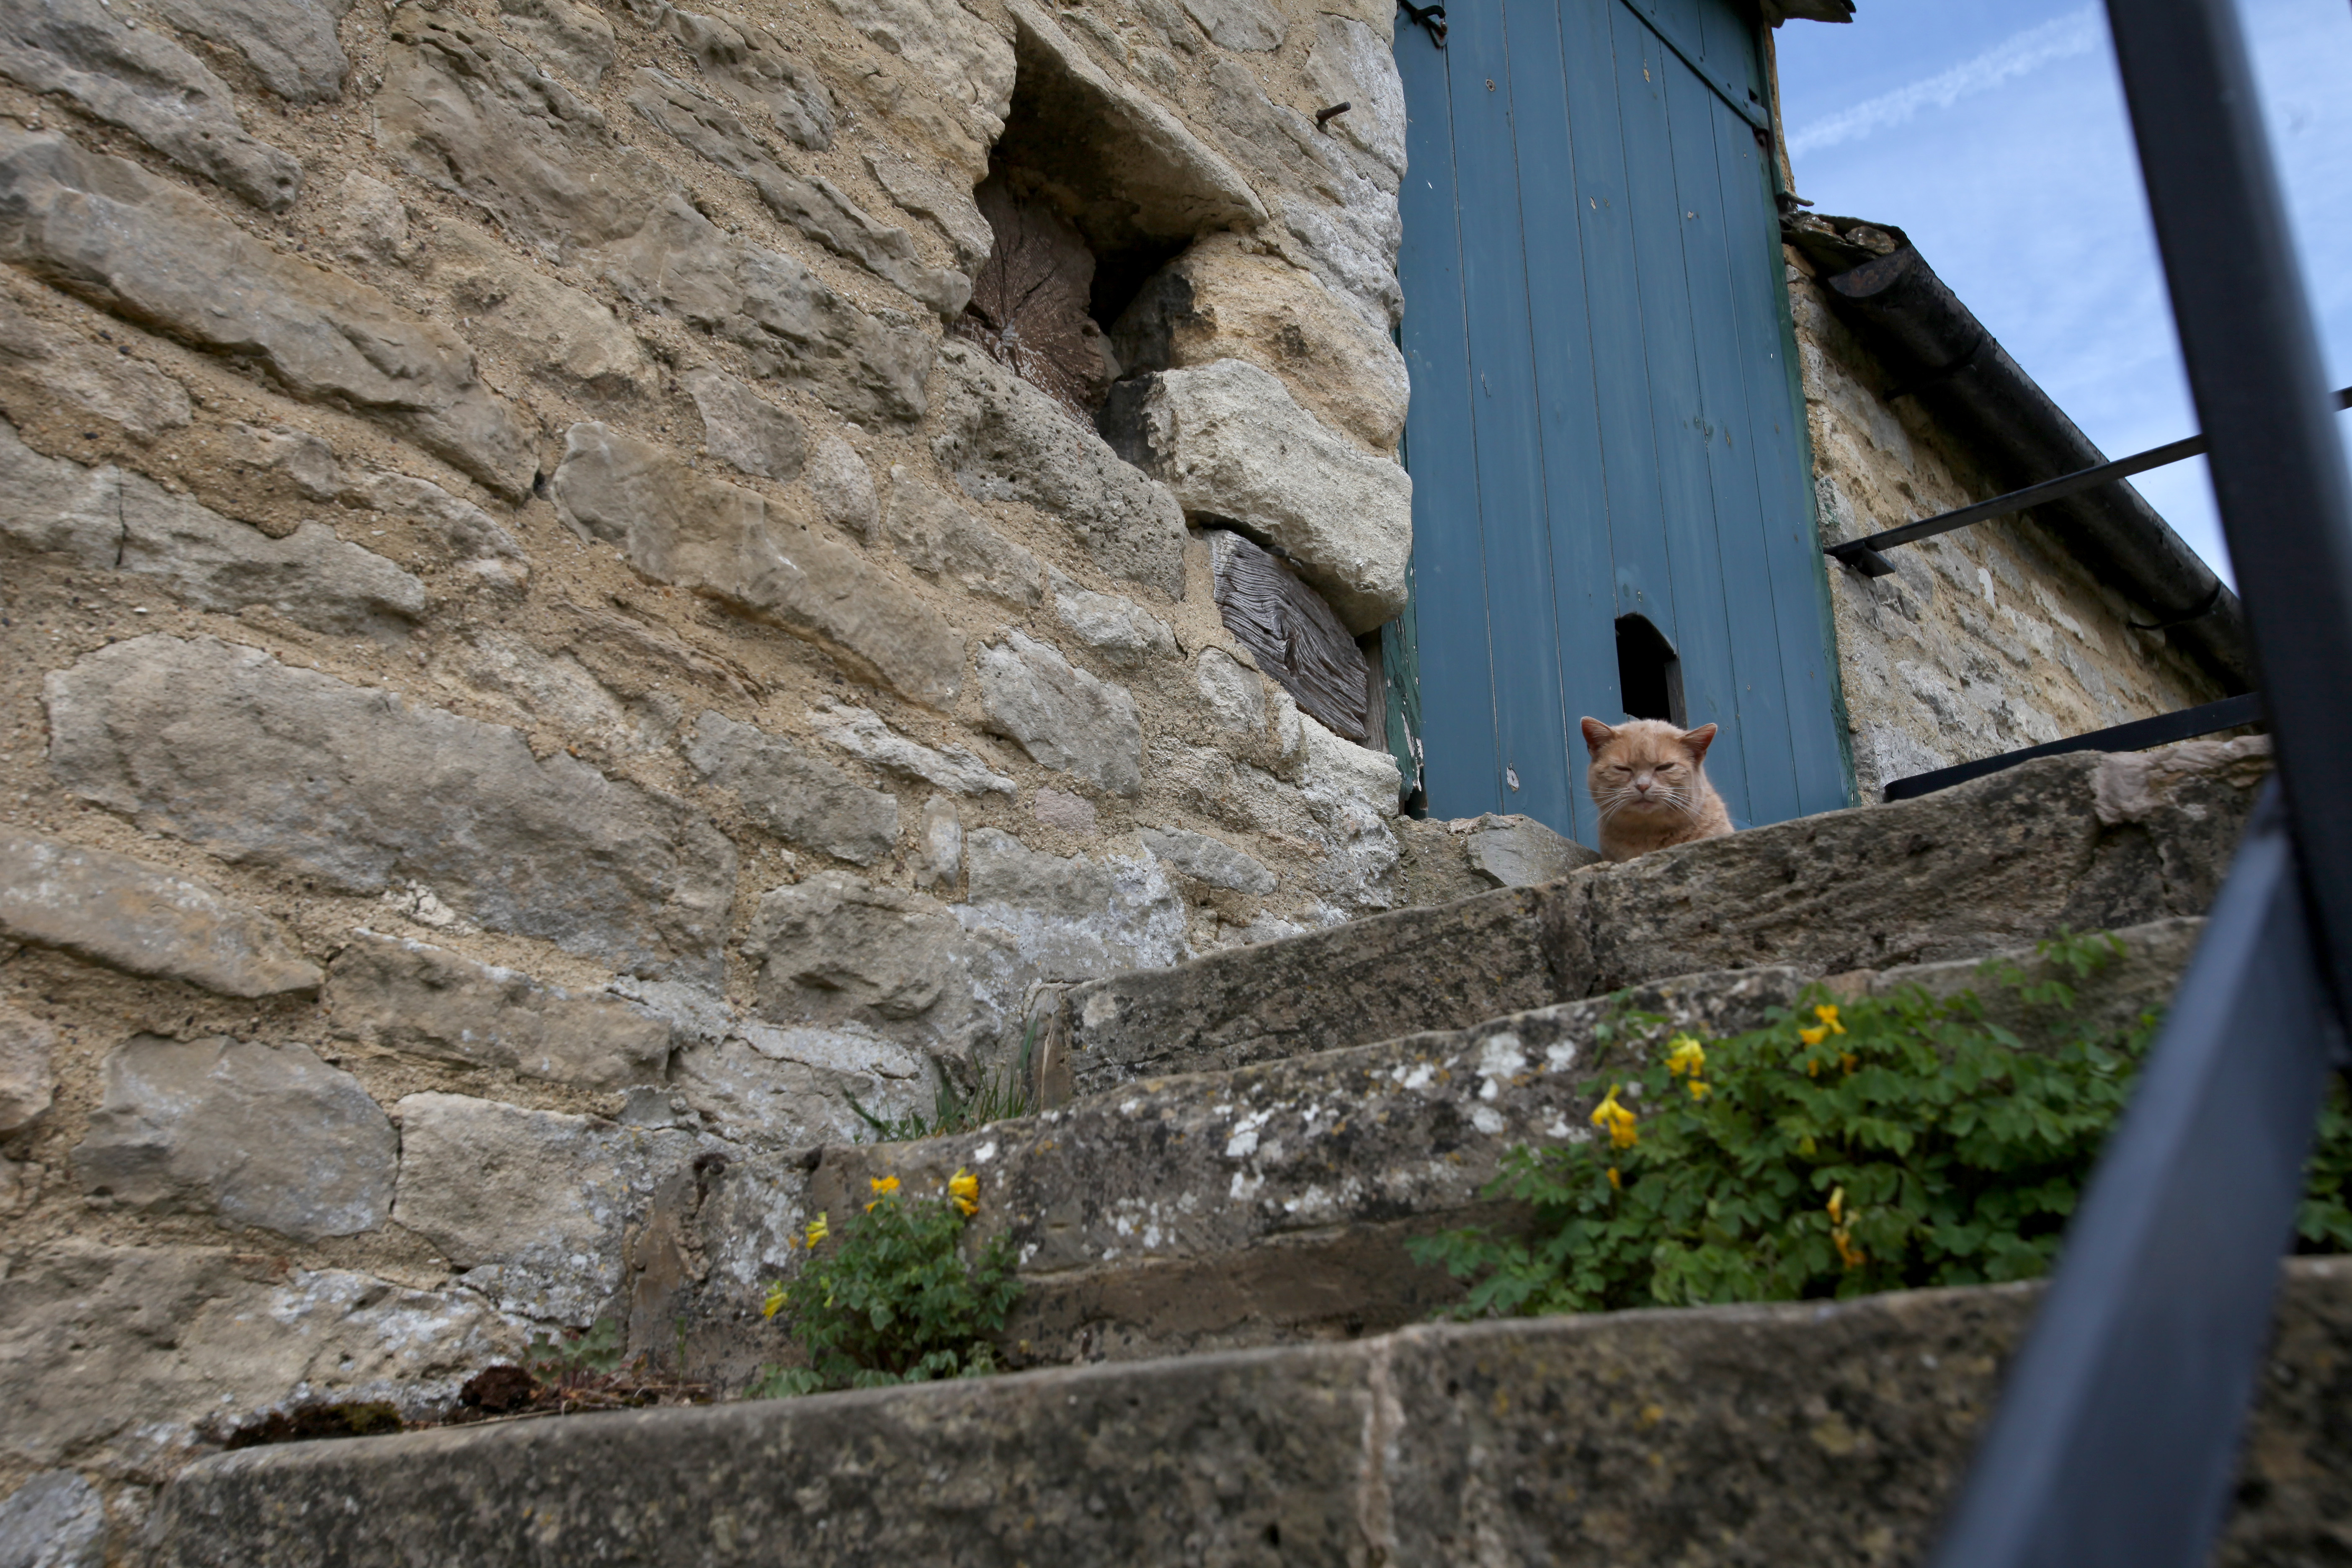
<point>1000,1099</point>
<point>891,1298</point>
<point>1844,1148</point>
<point>562,1361</point>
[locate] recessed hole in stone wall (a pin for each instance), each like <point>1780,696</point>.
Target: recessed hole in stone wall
<point>1292,634</point>
<point>1083,215</point>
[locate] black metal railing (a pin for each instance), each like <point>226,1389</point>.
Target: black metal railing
<point>1863,554</point>
<point>2121,1418</point>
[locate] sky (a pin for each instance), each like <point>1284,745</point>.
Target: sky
<point>1994,134</point>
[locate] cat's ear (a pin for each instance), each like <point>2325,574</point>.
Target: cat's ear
<point>1698,741</point>
<point>1596,735</point>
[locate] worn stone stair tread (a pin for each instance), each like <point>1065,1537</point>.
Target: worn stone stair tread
<point>1275,1201</point>
<point>1830,1432</point>
<point>2084,841</point>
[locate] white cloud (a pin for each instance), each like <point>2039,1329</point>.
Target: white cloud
<point>2062,38</point>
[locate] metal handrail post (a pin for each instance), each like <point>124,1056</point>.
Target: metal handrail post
<point>2121,1417</point>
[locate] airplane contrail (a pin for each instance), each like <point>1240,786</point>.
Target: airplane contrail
<point>2063,38</point>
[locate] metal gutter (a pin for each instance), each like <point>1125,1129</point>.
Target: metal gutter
<point>1940,354</point>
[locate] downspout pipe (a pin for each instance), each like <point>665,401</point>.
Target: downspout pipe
<point>1939,352</point>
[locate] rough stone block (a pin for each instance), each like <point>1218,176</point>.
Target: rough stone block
<point>41,361</point>
<point>928,194</point>
<point>961,55</point>
<point>1061,716</point>
<point>1232,445</point>
<point>197,738</point>
<point>56,1519</point>
<point>733,545</point>
<point>1519,851</point>
<point>789,1089</point>
<point>1717,1434</point>
<point>802,799</point>
<point>814,205</point>
<point>759,69</point>
<point>1175,185</point>
<point>939,539</point>
<point>1275,1201</point>
<point>574,39</point>
<point>1207,859</point>
<point>862,734</point>
<point>1352,62</point>
<point>126,914</point>
<point>842,488</point>
<point>105,229</point>
<point>794,326</point>
<point>109,519</point>
<point>1113,625</point>
<point>532,1206</point>
<point>138,79</point>
<point>393,994</point>
<point>1351,984</point>
<point>1997,863</point>
<point>1065,917</point>
<point>28,1076</point>
<point>262,1136</point>
<point>547,330</point>
<point>1004,440</point>
<point>1222,300</point>
<point>835,947</point>
<point>290,44</point>
<point>462,109</point>
<point>214,1336</point>
<point>744,428</point>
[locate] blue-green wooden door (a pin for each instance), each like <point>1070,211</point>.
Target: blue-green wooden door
<point>1605,417</point>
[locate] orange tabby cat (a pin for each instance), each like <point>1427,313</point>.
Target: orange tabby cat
<point>1649,779</point>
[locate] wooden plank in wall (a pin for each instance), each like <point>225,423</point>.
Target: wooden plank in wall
<point>1292,634</point>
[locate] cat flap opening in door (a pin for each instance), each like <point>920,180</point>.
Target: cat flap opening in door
<point>1649,676</point>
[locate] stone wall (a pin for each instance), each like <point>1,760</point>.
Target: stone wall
<point>538,654</point>
<point>1985,640</point>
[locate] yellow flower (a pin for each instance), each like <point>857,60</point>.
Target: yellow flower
<point>818,1230</point>
<point>963,1191</point>
<point>1837,1205</point>
<point>884,1183</point>
<point>1827,1013</point>
<point>1686,1056</point>
<point>1813,1037</point>
<point>1615,1180</point>
<point>1700,1091</point>
<point>775,1301</point>
<point>1850,1255</point>
<point>1619,1122</point>
<point>1849,1060</point>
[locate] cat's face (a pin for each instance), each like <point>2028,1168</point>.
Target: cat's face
<point>1646,769</point>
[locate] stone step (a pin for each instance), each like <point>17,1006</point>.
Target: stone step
<point>2084,841</point>
<point>1273,1202</point>
<point>1826,1433</point>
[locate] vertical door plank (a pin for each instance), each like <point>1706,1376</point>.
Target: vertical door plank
<point>1749,610</point>
<point>1568,397</point>
<point>1677,412</point>
<point>1522,628</point>
<point>1460,764</point>
<point>1799,582</point>
<point>1612,289</point>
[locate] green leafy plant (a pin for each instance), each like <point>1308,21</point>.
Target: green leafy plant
<point>892,1298</point>
<point>1000,1098</point>
<point>567,1358</point>
<point>1842,1149</point>
<point>2324,1222</point>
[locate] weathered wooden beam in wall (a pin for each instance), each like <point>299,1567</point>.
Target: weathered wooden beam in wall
<point>1292,635</point>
